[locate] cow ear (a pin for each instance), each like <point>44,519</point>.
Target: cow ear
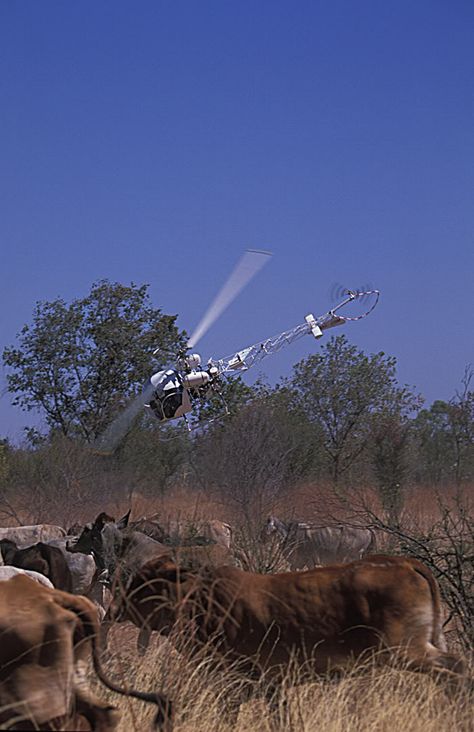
<point>100,521</point>
<point>123,522</point>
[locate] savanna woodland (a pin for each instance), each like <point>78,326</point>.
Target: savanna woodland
<point>339,439</point>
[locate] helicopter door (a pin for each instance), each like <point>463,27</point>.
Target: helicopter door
<point>170,398</point>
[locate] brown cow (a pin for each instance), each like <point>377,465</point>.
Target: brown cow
<point>46,637</point>
<point>323,618</point>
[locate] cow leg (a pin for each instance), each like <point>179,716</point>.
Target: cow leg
<point>445,668</point>
<point>102,717</point>
<point>143,640</point>
<point>232,702</point>
<point>230,712</point>
<point>105,628</point>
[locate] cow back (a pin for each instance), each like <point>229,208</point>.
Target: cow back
<point>26,535</point>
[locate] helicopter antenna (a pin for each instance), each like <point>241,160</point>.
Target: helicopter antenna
<point>251,262</point>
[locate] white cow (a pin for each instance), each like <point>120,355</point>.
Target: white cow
<point>27,535</point>
<point>82,566</point>
<point>7,573</point>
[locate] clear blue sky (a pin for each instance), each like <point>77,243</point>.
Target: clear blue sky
<point>155,141</point>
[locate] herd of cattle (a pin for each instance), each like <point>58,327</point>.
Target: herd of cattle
<point>60,593</point>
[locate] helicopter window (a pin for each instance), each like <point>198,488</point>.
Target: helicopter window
<point>168,396</point>
<point>171,403</point>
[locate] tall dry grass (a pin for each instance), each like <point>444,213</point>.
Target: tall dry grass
<point>368,698</point>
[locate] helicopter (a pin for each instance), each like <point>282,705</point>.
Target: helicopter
<point>176,391</point>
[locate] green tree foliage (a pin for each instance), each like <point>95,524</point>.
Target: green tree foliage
<point>434,444</point>
<point>340,389</point>
<point>445,437</point>
<point>80,362</point>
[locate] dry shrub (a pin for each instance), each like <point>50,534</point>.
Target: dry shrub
<point>368,698</point>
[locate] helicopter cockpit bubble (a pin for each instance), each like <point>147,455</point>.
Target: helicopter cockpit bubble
<point>170,399</point>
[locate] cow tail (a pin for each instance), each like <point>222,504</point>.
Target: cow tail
<point>371,549</point>
<point>90,628</point>
<point>437,638</point>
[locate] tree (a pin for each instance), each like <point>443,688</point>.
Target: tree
<point>445,437</point>
<point>434,444</point>
<point>79,363</point>
<point>233,395</point>
<point>461,421</point>
<point>340,389</point>
<point>388,449</point>
<point>248,458</point>
<point>4,448</point>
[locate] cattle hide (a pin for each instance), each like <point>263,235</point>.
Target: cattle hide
<point>43,558</point>
<point>306,546</point>
<point>81,566</point>
<point>323,618</point>
<point>116,547</point>
<point>47,636</point>
<point>27,535</point>
<point>192,557</point>
<point>7,573</point>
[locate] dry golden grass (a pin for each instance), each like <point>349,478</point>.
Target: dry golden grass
<point>368,699</point>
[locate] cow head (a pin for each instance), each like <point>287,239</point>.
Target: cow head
<point>7,550</point>
<point>102,539</point>
<point>154,594</point>
<point>274,528</point>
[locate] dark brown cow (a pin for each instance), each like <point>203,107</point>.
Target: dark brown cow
<point>115,546</point>
<point>323,618</point>
<point>43,558</point>
<point>47,636</point>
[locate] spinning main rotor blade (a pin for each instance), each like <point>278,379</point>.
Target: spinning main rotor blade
<point>251,262</point>
<point>116,431</point>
